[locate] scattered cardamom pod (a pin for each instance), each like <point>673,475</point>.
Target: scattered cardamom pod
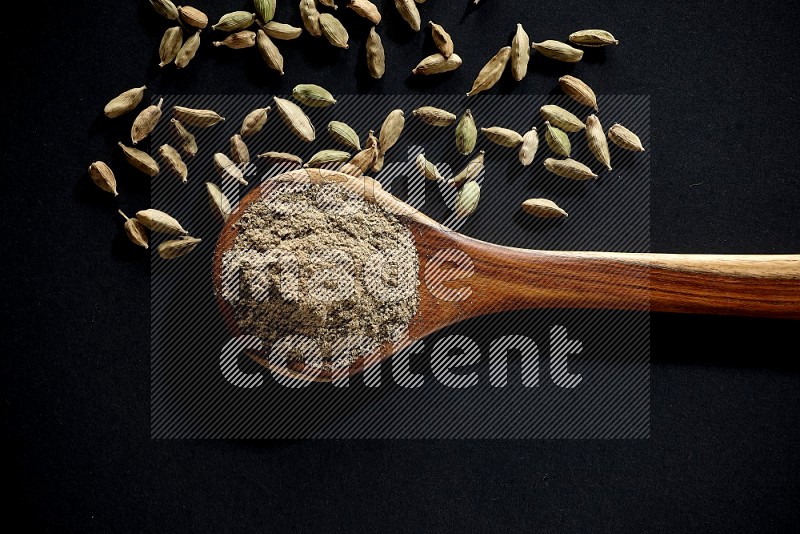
<point>174,161</point>
<point>146,122</point>
<point>265,9</point>
<point>281,31</point>
<point>502,136</point>
<point>188,50</point>
<point>578,91</point>
<point>470,171</point>
<point>344,134</point>
<point>441,39</point>
<point>124,102</point>
<point>428,169</point>
<point>219,202</point>
<point>325,157</point>
<point>269,52</point>
<point>559,51</point>
<point>527,150</point>
<point>165,8</point>
<point>491,72</point>
<point>140,160</point>
<point>193,17</point>
<point>135,231</point>
<point>541,207</point>
<point>592,38</point>
<point>362,161</point>
<point>390,132</point>
<point>103,177</point>
<point>436,64</point>
<point>158,221</point>
<point>366,9</point>
<point>297,121</point>
<point>434,116</point>
<point>408,10</point>
<point>171,43</point>
<point>238,40</point>
<point>310,16</point>
<point>189,143</point>
<point>235,21</point>
<point>201,118</point>
<point>376,57</point>
<point>333,30</point>
<point>557,140</point>
<point>624,138</point>
<point>520,53</point>
<point>239,150</point>
<point>175,248</point>
<point>228,168</point>
<point>466,134</point>
<point>561,118</point>
<point>569,168</point>
<point>313,95</point>
<point>281,156</point>
<point>467,199</point>
<point>596,139</point>
<point>254,121</point>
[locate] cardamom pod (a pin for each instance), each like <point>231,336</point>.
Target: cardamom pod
<point>561,118</point>
<point>376,57</point>
<point>408,10</point>
<point>297,121</point>
<point>557,140</point>
<point>467,199</point>
<point>578,91</point>
<point>189,143</point>
<point>124,102</point>
<point>313,95</point>
<point>254,121</point>
<point>141,161</point>
<point>239,150</point>
<point>175,248</point>
<point>569,168</point>
<point>310,16</point>
<point>228,168</point>
<point>158,221</point>
<point>265,9</point>
<point>471,171</point>
<point>281,31</point>
<point>441,39</point>
<point>436,64</point>
<point>135,231</point>
<point>238,40</point>
<point>333,30</point>
<point>281,156</point>
<point>366,9</point>
<point>596,139</point>
<point>502,136</point>
<point>174,161</point>
<point>362,161</point>
<point>219,202</point>
<point>235,21</point>
<point>329,3</point>
<point>593,38</point>
<point>491,72</point>
<point>146,122</point>
<point>201,118</point>
<point>390,132</point>
<point>466,134</point>
<point>325,157</point>
<point>165,8</point>
<point>269,52</point>
<point>193,17</point>
<point>171,43</point>
<point>188,50</point>
<point>434,116</point>
<point>428,169</point>
<point>520,53</point>
<point>344,134</point>
<point>624,138</point>
<point>527,150</point>
<point>541,207</point>
<point>103,177</point>
<point>559,51</point>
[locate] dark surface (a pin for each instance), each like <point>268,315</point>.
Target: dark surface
<point>723,452</point>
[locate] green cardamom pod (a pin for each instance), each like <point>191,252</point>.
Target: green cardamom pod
<point>466,134</point>
<point>235,21</point>
<point>557,140</point>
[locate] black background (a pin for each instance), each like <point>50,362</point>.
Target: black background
<point>723,452</point>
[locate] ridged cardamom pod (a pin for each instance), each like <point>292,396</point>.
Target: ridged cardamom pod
<point>466,134</point>
<point>239,151</point>
<point>146,122</point>
<point>175,248</point>
<point>376,57</point>
<point>491,72</point>
<point>344,134</point>
<point>140,160</point>
<point>541,207</point>
<point>269,52</point>
<point>310,16</point>
<point>174,161</point>
<point>557,140</point>
<point>436,64</point>
<point>201,118</point>
<point>281,156</point>
<point>561,118</point>
<point>578,91</point>
<point>391,129</point>
<point>596,139</point>
<point>165,8</point>
<point>188,50</point>
<point>467,199</point>
<point>434,116</point>
<point>238,40</point>
<point>441,39</point>
<point>325,157</point>
<point>158,221</point>
<point>281,31</point>
<point>502,136</point>
<point>366,9</point>
<point>333,30</point>
<point>228,168</point>
<point>593,38</point>
<point>559,51</point>
<point>188,141</point>
<point>265,9</point>
<point>103,177</point>
<point>529,146</point>
<point>171,43</point>
<point>193,17</point>
<point>235,21</point>
<point>428,169</point>
<point>219,202</point>
<point>136,232</point>
<point>313,95</point>
<point>408,10</point>
<point>124,103</point>
<point>362,161</point>
<point>254,121</point>
<point>297,121</point>
<point>520,53</point>
<point>569,168</point>
<point>624,138</point>
<point>471,171</point>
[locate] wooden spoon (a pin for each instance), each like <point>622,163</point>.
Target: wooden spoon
<point>506,278</point>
